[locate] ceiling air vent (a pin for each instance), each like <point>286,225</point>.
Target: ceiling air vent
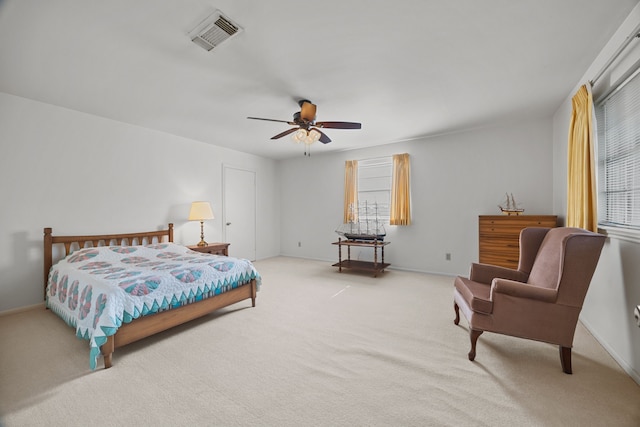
<point>213,30</point>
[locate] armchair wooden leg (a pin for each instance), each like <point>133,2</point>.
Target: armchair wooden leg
<point>457,310</point>
<point>565,359</point>
<point>474,334</point>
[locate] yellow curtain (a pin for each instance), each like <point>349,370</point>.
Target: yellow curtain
<point>350,191</point>
<point>581,184</point>
<point>400,194</point>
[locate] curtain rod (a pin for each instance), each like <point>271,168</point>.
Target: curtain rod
<point>376,158</point>
<point>634,34</point>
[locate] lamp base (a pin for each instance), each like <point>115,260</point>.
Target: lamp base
<point>202,242</point>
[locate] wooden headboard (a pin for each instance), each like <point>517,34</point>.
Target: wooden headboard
<point>70,242</point>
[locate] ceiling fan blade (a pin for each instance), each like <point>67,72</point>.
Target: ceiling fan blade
<point>339,125</point>
<point>323,137</point>
<point>273,120</point>
<point>308,111</point>
<point>285,133</point>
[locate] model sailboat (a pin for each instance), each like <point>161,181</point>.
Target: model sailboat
<point>509,207</point>
<point>370,228</point>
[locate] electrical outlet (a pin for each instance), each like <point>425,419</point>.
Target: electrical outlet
<point>447,256</point>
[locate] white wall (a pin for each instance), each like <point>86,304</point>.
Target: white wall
<point>615,288</point>
<point>82,174</point>
<point>454,178</point>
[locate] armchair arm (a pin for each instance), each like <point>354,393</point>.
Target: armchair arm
<point>522,290</point>
<point>485,273</point>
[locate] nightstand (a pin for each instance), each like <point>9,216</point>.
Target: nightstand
<point>212,248</point>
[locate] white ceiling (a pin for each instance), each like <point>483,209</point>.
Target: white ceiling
<point>404,68</point>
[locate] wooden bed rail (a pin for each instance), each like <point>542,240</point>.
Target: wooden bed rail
<point>124,239</point>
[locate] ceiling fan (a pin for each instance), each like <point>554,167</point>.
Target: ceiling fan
<point>308,130</point>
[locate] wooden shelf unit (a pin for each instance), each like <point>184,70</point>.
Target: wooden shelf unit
<point>375,267</point>
<point>499,236</point>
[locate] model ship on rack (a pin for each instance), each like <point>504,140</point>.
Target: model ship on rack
<point>364,223</point>
<point>509,207</point>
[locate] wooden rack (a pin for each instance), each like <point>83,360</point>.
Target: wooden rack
<point>375,267</point>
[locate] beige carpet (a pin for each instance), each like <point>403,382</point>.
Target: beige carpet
<point>320,349</point>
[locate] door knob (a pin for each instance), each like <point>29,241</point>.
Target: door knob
<point>228,223</point>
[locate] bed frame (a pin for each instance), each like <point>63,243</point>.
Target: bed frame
<point>144,326</point>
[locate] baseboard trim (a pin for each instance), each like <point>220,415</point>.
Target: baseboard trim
<point>391,267</point>
<point>635,375</point>
<point>38,306</point>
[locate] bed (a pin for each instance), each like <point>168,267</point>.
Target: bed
<point>116,289</point>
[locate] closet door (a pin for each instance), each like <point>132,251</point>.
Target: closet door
<point>239,220</point>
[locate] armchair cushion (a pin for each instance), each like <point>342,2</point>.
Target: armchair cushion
<point>546,267</point>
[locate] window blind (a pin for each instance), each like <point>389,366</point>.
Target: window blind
<point>374,188</point>
<point>618,130</point>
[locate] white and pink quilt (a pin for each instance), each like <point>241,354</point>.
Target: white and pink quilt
<point>96,290</point>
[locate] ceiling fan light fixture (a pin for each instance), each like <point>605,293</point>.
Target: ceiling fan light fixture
<point>306,136</point>
<point>314,135</point>
<point>299,136</point>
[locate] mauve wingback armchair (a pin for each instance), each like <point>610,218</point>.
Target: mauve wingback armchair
<point>542,299</point>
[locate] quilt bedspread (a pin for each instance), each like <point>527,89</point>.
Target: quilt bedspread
<point>96,290</point>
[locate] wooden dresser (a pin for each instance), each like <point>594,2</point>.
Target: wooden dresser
<point>499,236</point>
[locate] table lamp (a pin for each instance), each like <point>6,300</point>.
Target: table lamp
<point>200,211</point>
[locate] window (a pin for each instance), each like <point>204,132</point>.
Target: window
<point>618,128</point>
<point>374,188</point>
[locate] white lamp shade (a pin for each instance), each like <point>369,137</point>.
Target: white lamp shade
<point>200,211</point>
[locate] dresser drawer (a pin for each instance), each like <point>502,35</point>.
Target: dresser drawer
<point>510,226</point>
<point>507,245</point>
<point>500,260</point>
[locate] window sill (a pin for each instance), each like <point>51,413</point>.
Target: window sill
<point>621,233</point>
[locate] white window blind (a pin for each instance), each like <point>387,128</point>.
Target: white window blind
<point>374,188</point>
<point>618,124</point>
